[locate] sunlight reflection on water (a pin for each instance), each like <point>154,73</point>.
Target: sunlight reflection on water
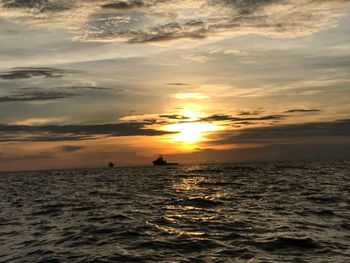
<point>269,212</point>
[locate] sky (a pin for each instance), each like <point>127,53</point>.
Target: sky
<point>86,82</point>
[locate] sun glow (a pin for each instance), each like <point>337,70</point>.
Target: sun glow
<point>190,132</point>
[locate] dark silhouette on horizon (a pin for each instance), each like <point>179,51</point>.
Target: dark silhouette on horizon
<point>160,161</point>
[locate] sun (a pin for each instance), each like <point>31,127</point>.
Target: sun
<point>190,132</point>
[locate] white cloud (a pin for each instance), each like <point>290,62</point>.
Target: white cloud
<point>232,51</point>
<point>41,121</point>
<point>196,58</point>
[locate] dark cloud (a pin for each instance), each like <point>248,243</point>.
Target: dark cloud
<point>75,132</point>
<point>72,148</point>
<point>246,7</point>
<point>173,117</point>
<point>224,117</point>
<point>76,88</point>
<point>38,5</point>
<point>150,121</point>
<point>27,94</point>
<point>36,96</point>
<point>178,84</point>
<point>249,113</point>
<point>307,141</point>
<point>194,29</point>
<point>245,122</point>
<point>301,110</point>
<point>287,133</point>
<point>178,118</point>
<point>325,151</point>
<point>27,137</point>
<point>84,88</point>
<point>124,4</point>
<point>26,73</point>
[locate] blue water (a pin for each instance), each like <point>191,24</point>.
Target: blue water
<point>267,212</point>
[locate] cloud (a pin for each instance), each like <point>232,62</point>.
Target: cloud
<point>231,51</point>
<point>157,119</point>
<point>75,132</point>
<point>248,113</point>
<point>72,148</point>
<point>30,72</point>
<point>277,18</point>
<point>225,51</point>
<point>178,84</point>
<point>36,96</point>
<point>196,58</point>
<point>301,110</point>
<point>124,4</point>
<point>225,117</point>
<point>287,133</point>
<point>173,117</point>
<point>39,5</point>
<point>41,121</point>
<point>336,149</point>
<point>193,29</point>
<point>83,88</point>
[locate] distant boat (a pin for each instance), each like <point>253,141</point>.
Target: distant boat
<point>111,165</point>
<point>160,161</point>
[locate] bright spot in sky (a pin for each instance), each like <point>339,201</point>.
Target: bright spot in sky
<point>190,132</point>
<point>191,115</point>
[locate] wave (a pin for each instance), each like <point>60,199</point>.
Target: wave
<point>202,213</point>
<point>240,168</point>
<point>197,202</point>
<point>208,170</point>
<point>282,243</point>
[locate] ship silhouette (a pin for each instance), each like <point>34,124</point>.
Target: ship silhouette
<point>160,162</point>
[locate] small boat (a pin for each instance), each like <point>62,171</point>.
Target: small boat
<point>160,162</point>
<point>111,165</point>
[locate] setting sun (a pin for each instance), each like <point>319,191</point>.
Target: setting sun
<point>190,132</point>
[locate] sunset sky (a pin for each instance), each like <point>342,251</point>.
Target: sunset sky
<point>85,82</point>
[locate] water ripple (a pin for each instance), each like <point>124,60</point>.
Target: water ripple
<point>267,212</point>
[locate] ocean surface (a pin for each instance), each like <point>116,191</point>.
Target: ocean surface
<point>252,212</point>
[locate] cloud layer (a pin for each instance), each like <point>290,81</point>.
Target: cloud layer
<point>26,73</point>
<point>140,21</point>
<point>287,133</point>
<point>11,133</point>
<point>36,96</point>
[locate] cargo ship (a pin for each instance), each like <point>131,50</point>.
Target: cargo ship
<point>160,162</point>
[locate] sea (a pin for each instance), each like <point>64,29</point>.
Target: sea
<point>240,212</point>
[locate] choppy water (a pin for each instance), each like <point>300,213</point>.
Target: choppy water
<point>269,212</point>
